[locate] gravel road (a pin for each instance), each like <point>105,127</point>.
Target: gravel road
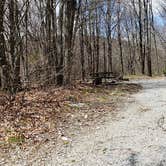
<point>135,137</point>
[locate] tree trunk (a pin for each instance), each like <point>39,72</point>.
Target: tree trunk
<point>60,67</point>
<point>70,10</point>
<point>142,56</point>
<point>4,66</point>
<point>109,34</point>
<point>82,46</point>
<point>119,38</point>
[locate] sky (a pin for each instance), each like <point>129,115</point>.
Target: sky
<point>156,4</point>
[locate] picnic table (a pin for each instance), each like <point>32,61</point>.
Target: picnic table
<point>99,76</point>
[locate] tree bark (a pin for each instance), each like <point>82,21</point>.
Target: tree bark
<point>119,37</point>
<point>70,10</point>
<point>4,66</point>
<point>142,56</point>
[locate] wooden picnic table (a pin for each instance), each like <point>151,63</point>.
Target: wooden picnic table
<point>99,76</point>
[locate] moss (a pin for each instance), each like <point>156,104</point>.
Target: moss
<point>72,98</point>
<point>18,139</point>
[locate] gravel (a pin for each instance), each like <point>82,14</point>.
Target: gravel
<point>136,136</point>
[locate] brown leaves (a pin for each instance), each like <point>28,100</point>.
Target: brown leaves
<point>32,114</point>
<point>29,116</point>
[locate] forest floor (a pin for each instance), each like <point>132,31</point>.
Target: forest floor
<point>86,126</point>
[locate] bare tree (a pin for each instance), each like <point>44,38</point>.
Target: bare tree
<point>70,11</point>
<point>4,65</point>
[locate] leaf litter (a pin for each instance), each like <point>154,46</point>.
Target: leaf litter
<point>36,116</point>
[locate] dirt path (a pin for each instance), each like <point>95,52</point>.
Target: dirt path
<point>136,136</point>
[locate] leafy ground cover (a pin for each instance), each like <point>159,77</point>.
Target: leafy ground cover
<point>33,117</point>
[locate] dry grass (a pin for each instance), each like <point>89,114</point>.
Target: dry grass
<point>136,77</point>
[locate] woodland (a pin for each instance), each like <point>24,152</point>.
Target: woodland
<point>52,50</point>
<point>57,42</point>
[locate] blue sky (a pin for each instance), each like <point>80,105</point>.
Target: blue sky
<point>156,6</point>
